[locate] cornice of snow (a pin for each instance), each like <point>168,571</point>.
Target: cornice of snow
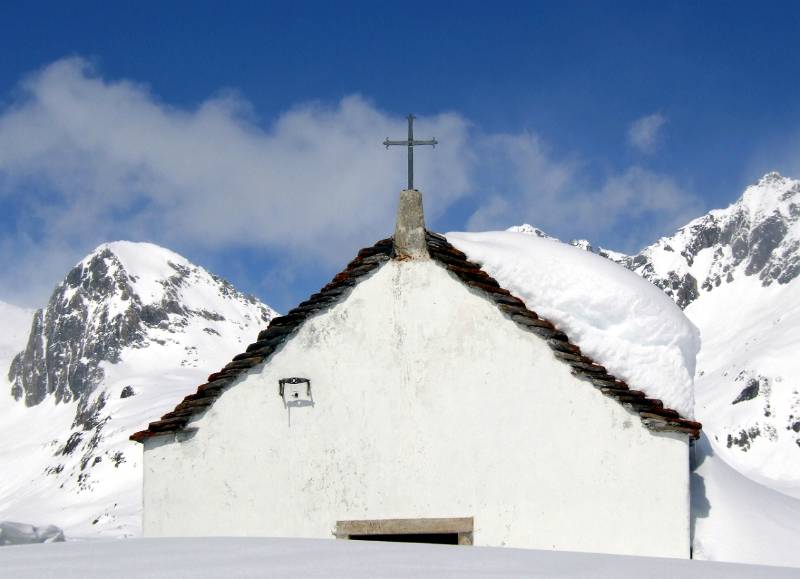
<point>615,317</point>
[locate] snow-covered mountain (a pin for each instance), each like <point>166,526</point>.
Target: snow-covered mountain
<point>736,274</point>
<point>131,329</point>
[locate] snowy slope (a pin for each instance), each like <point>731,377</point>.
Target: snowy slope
<point>131,330</point>
<point>748,383</point>
<point>736,271</point>
<point>737,519</point>
<point>330,559</point>
<point>617,318</point>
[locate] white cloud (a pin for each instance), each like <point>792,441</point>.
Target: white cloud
<point>556,196</point>
<point>85,160</point>
<point>645,133</point>
<point>520,177</point>
<point>115,154</point>
<point>98,160</point>
<point>641,204</point>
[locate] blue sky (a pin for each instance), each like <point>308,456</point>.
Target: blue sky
<point>248,137</point>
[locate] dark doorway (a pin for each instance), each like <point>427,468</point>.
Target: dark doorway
<point>435,538</point>
<point>448,531</point>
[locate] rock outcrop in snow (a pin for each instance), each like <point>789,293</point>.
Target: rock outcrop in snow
<point>123,295</point>
<point>12,533</point>
<point>759,236</point>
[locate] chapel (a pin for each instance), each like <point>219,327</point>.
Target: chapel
<point>413,398</point>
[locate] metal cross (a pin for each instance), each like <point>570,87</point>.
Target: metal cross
<point>411,143</point>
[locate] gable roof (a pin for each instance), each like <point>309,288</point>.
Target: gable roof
<point>651,411</point>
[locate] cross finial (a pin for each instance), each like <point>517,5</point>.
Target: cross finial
<point>411,143</point>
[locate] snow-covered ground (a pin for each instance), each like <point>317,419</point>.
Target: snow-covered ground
<point>738,519</point>
<point>748,380</point>
<point>309,558</point>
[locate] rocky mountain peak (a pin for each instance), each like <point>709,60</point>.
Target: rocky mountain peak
<point>122,295</point>
<point>773,194</point>
<point>758,235</point>
<point>773,177</point>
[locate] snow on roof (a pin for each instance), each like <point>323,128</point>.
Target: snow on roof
<point>615,316</point>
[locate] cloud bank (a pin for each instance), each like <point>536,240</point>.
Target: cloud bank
<point>84,160</point>
<point>528,183</point>
<point>112,153</point>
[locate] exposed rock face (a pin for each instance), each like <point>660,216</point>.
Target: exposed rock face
<point>12,533</point>
<point>756,236</point>
<point>759,235</point>
<point>97,312</point>
<point>80,328</point>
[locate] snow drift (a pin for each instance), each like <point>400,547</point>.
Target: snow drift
<point>615,316</point>
<point>737,519</point>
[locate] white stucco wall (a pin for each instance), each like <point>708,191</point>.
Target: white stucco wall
<point>428,402</point>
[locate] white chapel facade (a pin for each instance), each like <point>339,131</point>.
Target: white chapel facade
<point>413,395</point>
